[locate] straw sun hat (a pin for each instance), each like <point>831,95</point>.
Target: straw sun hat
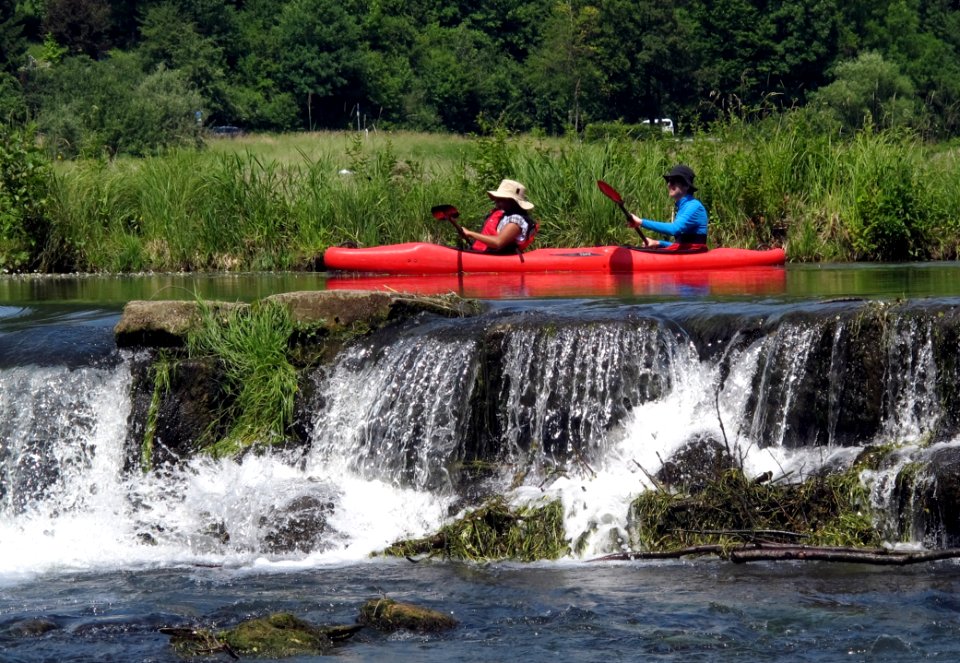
<point>514,191</point>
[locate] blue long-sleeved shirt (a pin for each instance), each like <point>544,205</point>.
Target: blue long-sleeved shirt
<point>690,219</point>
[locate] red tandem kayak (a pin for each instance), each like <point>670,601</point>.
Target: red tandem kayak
<point>422,258</point>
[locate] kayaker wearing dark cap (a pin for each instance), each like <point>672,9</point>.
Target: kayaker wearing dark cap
<point>689,227</point>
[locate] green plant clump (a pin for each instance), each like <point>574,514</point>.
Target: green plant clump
<point>251,344</point>
<point>161,371</point>
<point>24,186</point>
<point>495,532</point>
<point>828,511</point>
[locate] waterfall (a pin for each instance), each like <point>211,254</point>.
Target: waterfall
<point>397,413</point>
<point>61,435</point>
<point>912,407</point>
<point>406,427</point>
<point>564,387</point>
<point>61,457</point>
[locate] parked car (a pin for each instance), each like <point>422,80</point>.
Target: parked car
<point>665,124</point>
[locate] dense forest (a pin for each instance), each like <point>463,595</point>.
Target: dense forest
<point>131,75</point>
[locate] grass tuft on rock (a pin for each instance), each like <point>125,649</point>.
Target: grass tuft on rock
<point>161,371</point>
<point>251,345</point>
<point>495,531</point>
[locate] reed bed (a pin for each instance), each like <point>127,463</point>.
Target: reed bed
<point>276,202</point>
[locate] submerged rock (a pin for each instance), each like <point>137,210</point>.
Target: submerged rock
<point>297,526</point>
<point>389,615</point>
<point>28,628</point>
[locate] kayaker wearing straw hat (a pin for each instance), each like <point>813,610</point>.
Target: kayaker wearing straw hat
<point>508,228</point>
<point>689,226</point>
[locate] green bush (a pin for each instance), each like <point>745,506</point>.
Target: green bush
<point>24,184</point>
<point>887,216</point>
<point>12,107</point>
<point>109,107</point>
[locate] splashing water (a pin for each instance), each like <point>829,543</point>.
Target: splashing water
<point>595,408</point>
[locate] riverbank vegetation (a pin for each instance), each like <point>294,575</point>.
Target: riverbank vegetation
<point>824,128</point>
<point>275,203</point>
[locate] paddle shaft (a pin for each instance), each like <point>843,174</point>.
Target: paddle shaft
<point>630,221</point>
<point>459,228</point>
<point>615,196</point>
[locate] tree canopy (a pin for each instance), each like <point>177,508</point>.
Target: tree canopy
<point>556,65</point>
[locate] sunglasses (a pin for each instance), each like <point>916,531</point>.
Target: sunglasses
<point>675,182</point>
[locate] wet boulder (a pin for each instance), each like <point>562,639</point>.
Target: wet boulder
<point>334,310</point>
<point>298,526</point>
<point>934,492</point>
<point>702,460</point>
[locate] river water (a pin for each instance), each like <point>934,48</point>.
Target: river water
<point>73,557</point>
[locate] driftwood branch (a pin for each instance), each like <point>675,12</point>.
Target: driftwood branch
<point>661,554</point>
<point>777,553</point>
<point>877,556</point>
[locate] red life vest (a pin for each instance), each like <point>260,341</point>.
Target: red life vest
<point>490,228</point>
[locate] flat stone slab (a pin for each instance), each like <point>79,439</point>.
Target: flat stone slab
<point>167,323</point>
<point>162,323</point>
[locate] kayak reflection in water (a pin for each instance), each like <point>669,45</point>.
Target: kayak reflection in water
<point>689,227</point>
<point>509,227</point>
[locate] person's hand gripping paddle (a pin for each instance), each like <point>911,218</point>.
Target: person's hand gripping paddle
<point>613,195</point>
<point>451,214</point>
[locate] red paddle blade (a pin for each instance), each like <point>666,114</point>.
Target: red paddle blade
<point>609,192</point>
<point>444,212</point>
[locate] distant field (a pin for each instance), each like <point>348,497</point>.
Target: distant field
<point>293,147</point>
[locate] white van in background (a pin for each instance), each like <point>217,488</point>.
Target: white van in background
<point>665,123</point>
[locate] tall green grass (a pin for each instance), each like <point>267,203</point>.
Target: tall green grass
<point>250,343</point>
<point>276,202</point>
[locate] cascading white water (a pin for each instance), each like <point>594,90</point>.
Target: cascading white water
<point>784,356</point>
<point>388,422</point>
<point>569,384</point>
<point>396,415</point>
<point>912,407</point>
<point>68,504</point>
<point>61,435</point>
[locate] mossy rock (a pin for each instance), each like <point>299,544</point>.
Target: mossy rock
<point>389,615</point>
<point>167,323</point>
<point>275,636</point>
<point>495,531</point>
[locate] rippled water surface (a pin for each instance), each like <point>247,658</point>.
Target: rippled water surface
<point>937,279</point>
<point>675,611</point>
<point>101,603</point>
